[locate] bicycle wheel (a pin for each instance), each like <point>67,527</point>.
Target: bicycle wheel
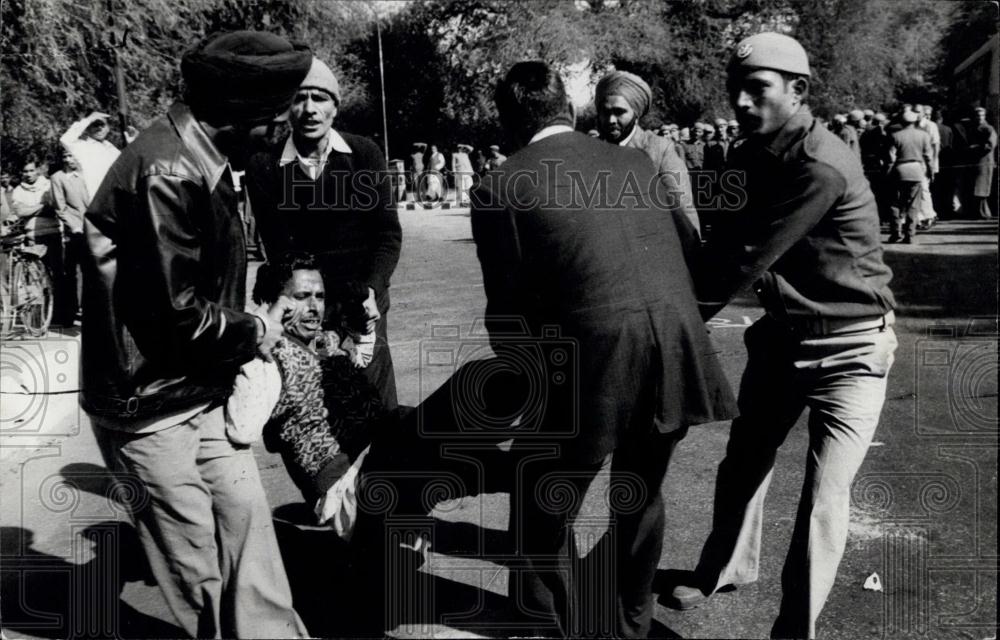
<point>6,315</point>
<point>33,288</point>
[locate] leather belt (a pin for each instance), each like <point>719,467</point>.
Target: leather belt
<point>840,326</point>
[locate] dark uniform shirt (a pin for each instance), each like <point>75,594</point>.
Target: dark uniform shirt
<point>875,151</point>
<point>807,232</point>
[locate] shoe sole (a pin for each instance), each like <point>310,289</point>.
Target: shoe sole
<point>672,602</point>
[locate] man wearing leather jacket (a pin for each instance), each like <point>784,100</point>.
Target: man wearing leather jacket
<point>166,332</point>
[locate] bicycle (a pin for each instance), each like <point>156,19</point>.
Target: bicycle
<point>26,292</point>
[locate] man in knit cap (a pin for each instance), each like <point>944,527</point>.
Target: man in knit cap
<point>825,342</point>
<point>166,334</point>
<point>622,99</point>
<point>329,194</point>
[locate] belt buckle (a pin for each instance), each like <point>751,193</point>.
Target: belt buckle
<point>132,405</point>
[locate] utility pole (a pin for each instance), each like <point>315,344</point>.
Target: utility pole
<point>381,78</point>
<point>117,42</point>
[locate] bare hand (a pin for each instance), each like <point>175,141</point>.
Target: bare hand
<point>372,315</point>
<point>273,327</point>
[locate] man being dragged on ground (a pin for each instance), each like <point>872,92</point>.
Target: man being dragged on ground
<point>321,419</point>
<point>320,411</point>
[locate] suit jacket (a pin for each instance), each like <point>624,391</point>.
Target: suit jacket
<point>570,242</point>
<point>346,217</point>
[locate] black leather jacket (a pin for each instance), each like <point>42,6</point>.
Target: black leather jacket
<point>164,284</point>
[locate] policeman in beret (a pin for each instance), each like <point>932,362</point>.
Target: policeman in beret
<point>167,332</point>
<point>807,239</point>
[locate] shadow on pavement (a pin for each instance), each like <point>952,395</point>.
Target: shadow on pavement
<point>939,286</point>
<point>46,596</point>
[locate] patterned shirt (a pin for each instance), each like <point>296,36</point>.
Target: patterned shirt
<point>324,416</point>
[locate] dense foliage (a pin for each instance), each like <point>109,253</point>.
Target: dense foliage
<point>443,57</point>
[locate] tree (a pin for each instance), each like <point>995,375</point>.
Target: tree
<point>56,65</point>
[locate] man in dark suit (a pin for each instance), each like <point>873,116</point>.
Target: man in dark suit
<point>330,194</point>
<point>572,243</point>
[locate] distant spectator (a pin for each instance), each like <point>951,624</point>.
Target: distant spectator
<point>87,140</point>
<point>32,203</point>
<point>70,198</point>
<point>461,168</point>
<point>479,162</point>
<point>911,153</point>
<point>7,219</point>
<point>433,182</point>
<point>856,118</point>
<point>6,205</point>
<point>945,187</point>
<point>694,147</point>
<point>982,139</point>
<point>417,167</point>
<point>846,132</point>
<point>496,158</point>
<point>876,158</point>
<point>928,216</point>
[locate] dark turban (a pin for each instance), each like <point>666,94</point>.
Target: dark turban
<point>243,77</point>
<point>629,86</point>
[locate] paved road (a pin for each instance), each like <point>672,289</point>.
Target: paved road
<point>924,508</point>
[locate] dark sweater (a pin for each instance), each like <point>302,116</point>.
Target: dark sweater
<point>346,217</point>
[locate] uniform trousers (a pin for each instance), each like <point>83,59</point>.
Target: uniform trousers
<point>842,380</point>
<point>205,524</point>
<point>905,207</point>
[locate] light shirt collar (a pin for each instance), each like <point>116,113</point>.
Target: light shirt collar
<point>550,131</point>
<point>628,139</point>
<point>334,142</point>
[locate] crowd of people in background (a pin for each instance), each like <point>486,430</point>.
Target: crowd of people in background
<point>956,176</point>
<point>917,164</point>
<point>161,233</point>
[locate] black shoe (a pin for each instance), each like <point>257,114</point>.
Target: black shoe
<point>893,239</point>
<point>907,240</point>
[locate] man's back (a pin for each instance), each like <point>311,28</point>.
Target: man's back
<point>568,235</point>
<point>912,147</point>
<point>593,244</point>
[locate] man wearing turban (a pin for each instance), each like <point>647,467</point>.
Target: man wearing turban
<point>329,193</point>
<point>165,281</point>
<point>622,99</point>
